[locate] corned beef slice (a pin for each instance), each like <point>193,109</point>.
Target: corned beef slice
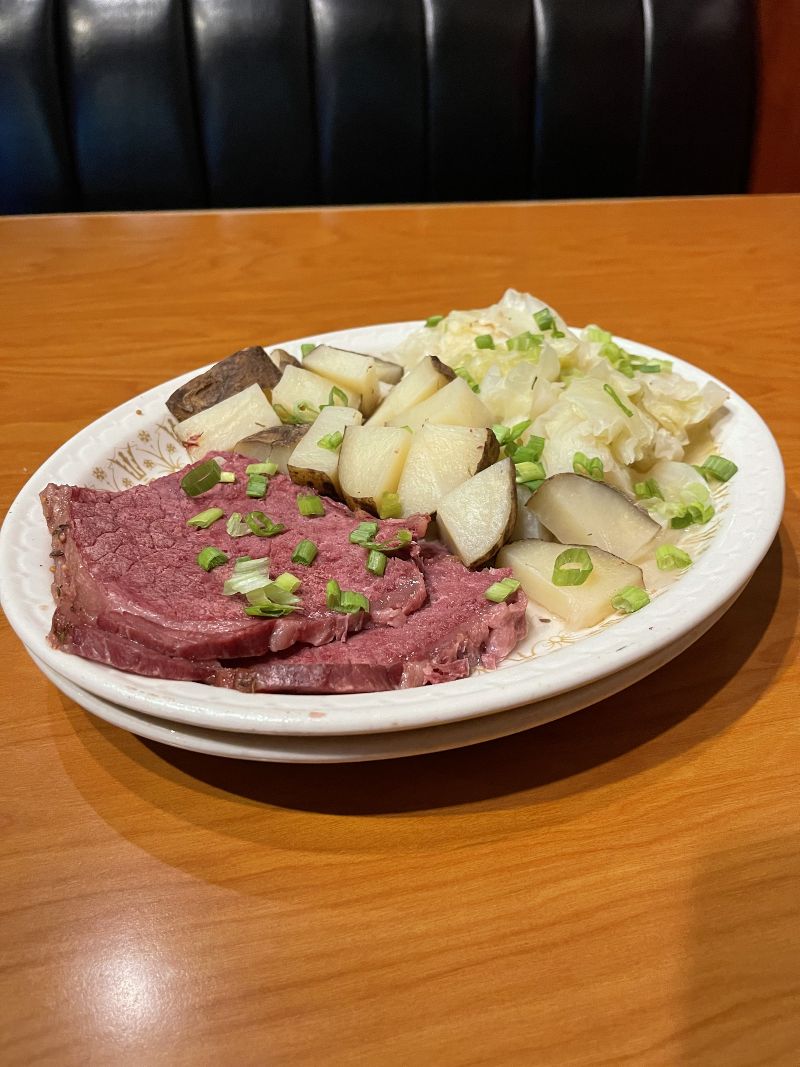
<point>126,564</point>
<point>443,641</point>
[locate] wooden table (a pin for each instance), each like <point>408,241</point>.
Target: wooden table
<point>617,887</point>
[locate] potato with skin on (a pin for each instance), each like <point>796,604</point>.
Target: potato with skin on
<point>454,405</point>
<point>533,562</point>
<point>298,385</point>
<point>282,359</point>
<point>477,518</point>
<point>440,459</point>
<point>370,464</point>
<point>349,370</point>
<point>221,427</point>
<point>581,511</point>
<point>420,383</point>
<point>273,445</point>
<point>313,464</point>
<point>227,378</point>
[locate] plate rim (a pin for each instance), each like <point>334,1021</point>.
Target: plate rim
<point>389,711</point>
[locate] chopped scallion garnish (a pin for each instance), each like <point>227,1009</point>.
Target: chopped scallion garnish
<point>615,397</point>
<point>309,505</point>
<point>288,581</point>
<point>306,347</point>
<point>434,320</point>
<point>236,526</point>
<point>507,435</point>
<point>227,477</point>
<point>544,319</point>
<point>262,526</point>
<point>331,441</point>
<point>203,519</point>
<point>389,506</point>
<point>350,602</point>
<point>524,342</point>
<point>201,478</point>
<point>630,599</point>
<point>691,514</point>
<point>269,611</point>
<point>211,557</point>
<point>364,532</point>
<point>465,375</point>
<point>271,593</point>
<point>484,340</point>
<point>670,558</point>
<point>248,565</point>
<point>572,567</point>
<point>333,594</point>
<point>591,468</point>
<point>261,468</point>
<point>256,485</point>
<point>502,590</point>
<point>376,562</point>
<point>305,553</point>
<point>647,490</point>
<point>337,394</point>
<point>530,474</point>
<point>718,467</point>
<point>246,581</point>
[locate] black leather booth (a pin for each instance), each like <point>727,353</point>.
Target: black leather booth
<point>130,104</point>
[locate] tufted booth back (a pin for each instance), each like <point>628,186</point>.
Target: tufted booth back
<point>131,104</point>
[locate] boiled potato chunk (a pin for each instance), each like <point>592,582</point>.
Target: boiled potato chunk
<point>220,427</point>
<point>389,373</point>
<point>370,464</point>
<point>441,458</point>
<point>274,445</point>
<point>477,517</point>
<point>420,383</point>
<point>226,378</point>
<point>298,385</point>
<point>527,525</point>
<point>310,464</point>
<point>454,405</point>
<point>532,563</point>
<point>350,370</point>
<point>580,511</point>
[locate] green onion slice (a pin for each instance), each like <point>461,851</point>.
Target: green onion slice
<point>692,513</point>
<point>331,441</point>
<point>309,505</point>
<point>502,590</point>
<point>246,565</point>
<point>465,375</point>
<point>389,506</point>
<point>530,452</point>
<point>288,581</point>
<point>350,602</point>
<point>203,519</point>
<point>246,582</point>
<point>524,342</point>
<point>591,468</point>
<point>305,553</point>
<point>630,599</point>
<point>648,490</point>
<point>268,611</point>
<point>236,526</point>
<point>671,558</point>
<point>720,468</point>
<point>572,567</point>
<point>271,593</point>
<point>261,468</point>
<point>227,477</point>
<point>544,319</point>
<point>376,562</point>
<point>306,347</point>
<point>528,471</point>
<point>507,435</point>
<point>615,397</point>
<point>256,485</point>
<point>201,478</point>
<point>262,526</point>
<point>363,533</point>
<point>211,557</point>
<point>333,594</point>
<point>337,394</point>
<point>434,320</point>
<point>484,340</point>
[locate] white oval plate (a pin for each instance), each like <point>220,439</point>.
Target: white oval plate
<point>359,748</point>
<point>136,441</point>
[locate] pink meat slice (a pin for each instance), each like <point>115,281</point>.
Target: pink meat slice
<point>126,566</point>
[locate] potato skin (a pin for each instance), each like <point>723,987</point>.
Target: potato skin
<point>491,452</point>
<point>315,479</point>
<point>281,358</point>
<point>446,372</point>
<point>229,376</point>
<point>360,504</point>
<point>286,435</point>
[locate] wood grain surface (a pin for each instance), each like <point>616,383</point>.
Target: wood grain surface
<point>619,887</point>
